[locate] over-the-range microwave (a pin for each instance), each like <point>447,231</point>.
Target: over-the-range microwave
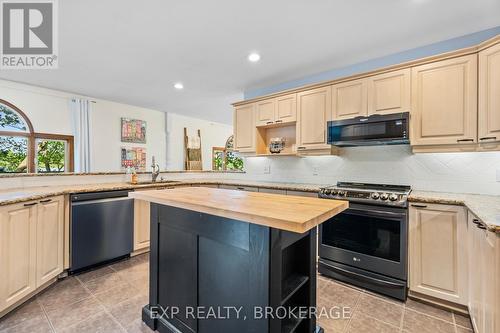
<point>391,129</point>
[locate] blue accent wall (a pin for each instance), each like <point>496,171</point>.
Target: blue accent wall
<point>365,66</point>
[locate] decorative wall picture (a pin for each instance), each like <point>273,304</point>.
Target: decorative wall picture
<point>133,157</point>
<point>133,130</point>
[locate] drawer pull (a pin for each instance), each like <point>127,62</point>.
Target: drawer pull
<point>278,121</point>
<point>465,140</point>
<point>240,188</point>
<point>301,148</point>
<point>269,122</point>
<point>30,204</point>
<point>419,206</point>
<point>480,226</point>
<point>476,221</point>
<point>488,138</point>
<point>46,200</point>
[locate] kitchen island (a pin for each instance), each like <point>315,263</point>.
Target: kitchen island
<point>233,261</point>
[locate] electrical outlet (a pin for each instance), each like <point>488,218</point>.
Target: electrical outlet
<point>267,169</point>
<point>315,171</point>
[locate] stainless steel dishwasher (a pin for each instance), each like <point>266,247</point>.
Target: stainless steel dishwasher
<point>102,228</point>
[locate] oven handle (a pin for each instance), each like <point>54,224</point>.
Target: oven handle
<point>378,213</point>
<point>364,278</point>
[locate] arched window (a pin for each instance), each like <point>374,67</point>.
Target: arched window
<point>223,158</point>
<point>23,150</point>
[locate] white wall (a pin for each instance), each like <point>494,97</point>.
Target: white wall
<point>49,112</point>
<point>448,172</point>
<point>212,135</point>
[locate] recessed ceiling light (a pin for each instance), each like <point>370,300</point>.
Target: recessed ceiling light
<point>253,57</point>
<point>179,86</point>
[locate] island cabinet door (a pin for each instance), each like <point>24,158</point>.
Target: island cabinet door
<point>207,261</point>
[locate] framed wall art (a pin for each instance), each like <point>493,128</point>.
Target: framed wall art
<point>134,157</point>
<point>133,130</point>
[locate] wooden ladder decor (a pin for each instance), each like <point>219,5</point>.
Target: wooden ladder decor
<point>192,151</point>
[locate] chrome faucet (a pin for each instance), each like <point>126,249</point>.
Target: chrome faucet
<point>155,170</point>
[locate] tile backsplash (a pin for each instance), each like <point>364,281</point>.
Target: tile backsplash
<point>445,172</point>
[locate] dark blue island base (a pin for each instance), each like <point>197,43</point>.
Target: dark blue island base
<point>210,274</point>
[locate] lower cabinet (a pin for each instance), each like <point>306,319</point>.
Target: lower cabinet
<point>31,247</point>
<point>141,224</point>
<point>484,281</point>
<point>438,252</point>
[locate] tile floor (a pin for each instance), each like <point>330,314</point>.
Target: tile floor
<point>110,299</point>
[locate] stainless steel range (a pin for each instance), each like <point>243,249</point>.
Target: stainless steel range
<point>367,244</point>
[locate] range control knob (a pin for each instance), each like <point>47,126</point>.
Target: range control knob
<point>328,192</point>
<point>375,195</point>
<point>393,197</point>
<point>334,192</point>
<point>384,196</point>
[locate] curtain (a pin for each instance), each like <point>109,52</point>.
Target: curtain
<point>81,110</point>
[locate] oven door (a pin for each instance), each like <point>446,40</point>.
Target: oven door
<point>368,237</point>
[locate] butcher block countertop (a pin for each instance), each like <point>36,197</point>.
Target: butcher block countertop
<point>290,213</point>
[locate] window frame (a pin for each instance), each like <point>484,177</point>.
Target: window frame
<point>32,136</point>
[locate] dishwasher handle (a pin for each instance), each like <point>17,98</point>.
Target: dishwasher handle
<point>98,195</point>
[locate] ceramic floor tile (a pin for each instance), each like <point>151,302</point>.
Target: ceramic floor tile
<point>463,330</point>
<point>93,274</point>
<point>429,310</point>
<point>110,298</point>
<point>415,322</point>
<point>33,325</point>
<point>100,323</point>
<point>64,317</point>
<point>381,309</point>
<point>29,311</point>
<point>463,321</point>
<point>361,323</point>
<point>105,283</point>
<point>62,294</point>
<point>334,294</point>
<point>126,312</point>
<point>137,326</point>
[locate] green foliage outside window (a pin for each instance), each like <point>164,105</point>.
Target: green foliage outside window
<point>51,156</point>
<point>13,154</point>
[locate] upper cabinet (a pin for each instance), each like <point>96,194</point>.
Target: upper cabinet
<point>314,110</point>
<point>389,92</point>
<point>279,110</point>
<point>349,99</point>
<point>444,102</point>
<point>489,95</point>
<point>244,128</point>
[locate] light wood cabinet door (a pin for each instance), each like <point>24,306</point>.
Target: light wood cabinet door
<point>444,102</point>
<point>389,92</point>
<point>17,252</point>
<point>438,251</point>
<point>49,239</point>
<point>265,112</point>
<point>286,109</point>
<point>475,275</point>
<point>489,95</point>
<point>349,99</point>
<point>141,224</point>
<point>244,128</point>
<point>314,110</point>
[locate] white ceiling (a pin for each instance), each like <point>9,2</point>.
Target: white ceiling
<point>134,51</point>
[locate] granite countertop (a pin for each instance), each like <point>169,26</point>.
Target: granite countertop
<point>485,207</point>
